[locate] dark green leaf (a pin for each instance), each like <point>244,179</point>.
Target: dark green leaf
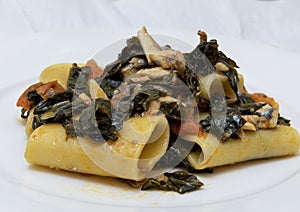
<point>171,110</point>
<point>24,113</point>
<point>132,49</point>
<point>72,127</point>
<point>96,121</point>
<point>246,109</point>
<point>73,76</point>
<point>229,61</point>
<point>47,104</point>
<point>109,86</point>
<point>283,121</point>
<point>34,98</point>
<point>245,99</point>
<point>233,78</point>
<point>142,100</point>
<point>201,61</point>
<point>178,181</point>
<point>78,80</point>
<point>224,130</point>
<point>198,62</point>
<point>178,149</point>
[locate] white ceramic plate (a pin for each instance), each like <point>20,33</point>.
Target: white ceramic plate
<point>265,184</point>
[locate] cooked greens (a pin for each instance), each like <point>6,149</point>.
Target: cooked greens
<point>161,81</point>
<point>136,97</point>
<point>97,117</point>
<point>283,121</point>
<point>78,79</point>
<point>229,128</point>
<point>205,56</point>
<point>171,110</point>
<point>178,181</point>
<point>142,100</point>
<point>94,116</point>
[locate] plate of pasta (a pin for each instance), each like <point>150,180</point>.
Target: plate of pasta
<point>255,127</point>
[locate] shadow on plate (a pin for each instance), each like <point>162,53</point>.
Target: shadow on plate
<point>85,178</point>
<point>217,171</point>
<point>257,163</point>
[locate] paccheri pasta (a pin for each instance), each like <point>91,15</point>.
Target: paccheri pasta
<point>153,109</point>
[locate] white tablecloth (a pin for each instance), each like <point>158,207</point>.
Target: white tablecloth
<point>274,22</point>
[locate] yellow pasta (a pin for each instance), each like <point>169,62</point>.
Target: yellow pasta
<point>263,143</point>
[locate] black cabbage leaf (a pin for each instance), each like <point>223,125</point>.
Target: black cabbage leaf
<point>178,181</point>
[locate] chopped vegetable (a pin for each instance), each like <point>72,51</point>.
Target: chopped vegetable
<point>178,181</point>
<point>97,117</point>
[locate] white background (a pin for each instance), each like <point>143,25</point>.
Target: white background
<point>273,22</point>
